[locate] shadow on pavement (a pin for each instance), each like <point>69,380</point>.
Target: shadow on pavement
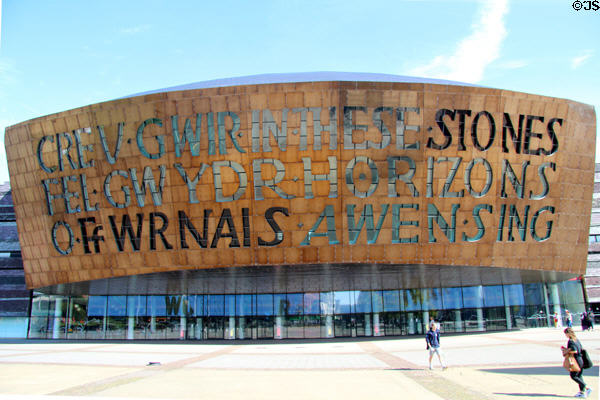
<point>539,371</point>
<point>534,394</point>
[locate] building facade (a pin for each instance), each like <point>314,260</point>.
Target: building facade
<point>305,206</point>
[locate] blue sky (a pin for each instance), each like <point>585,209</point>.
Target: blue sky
<point>58,55</point>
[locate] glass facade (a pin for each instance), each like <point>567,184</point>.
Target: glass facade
<point>299,315</point>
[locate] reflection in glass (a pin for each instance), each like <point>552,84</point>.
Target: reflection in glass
<point>452,298</point>
<point>412,299</point>
<point>472,297</point>
<point>312,303</point>
<point>362,299</point>
<point>342,302</point>
<point>294,303</point>
<point>264,304</point>
<point>215,305</point>
<point>391,300</point>
<point>493,296</point>
<point>432,299</point>
<point>513,295</point>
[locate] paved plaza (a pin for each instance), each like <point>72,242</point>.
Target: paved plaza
<point>499,365</point>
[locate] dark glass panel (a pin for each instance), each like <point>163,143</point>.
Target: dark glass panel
<point>495,318</point>
<point>343,326</point>
<point>473,319</point>
<point>116,327</point>
<point>264,327</point>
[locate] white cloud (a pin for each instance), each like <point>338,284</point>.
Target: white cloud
<point>513,64</point>
<point>135,29</point>
<point>577,61</point>
<point>475,52</point>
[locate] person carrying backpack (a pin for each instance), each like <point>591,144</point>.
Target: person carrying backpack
<point>574,362</point>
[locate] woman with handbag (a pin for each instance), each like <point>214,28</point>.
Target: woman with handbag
<point>574,362</point>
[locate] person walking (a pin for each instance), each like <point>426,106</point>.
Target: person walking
<point>574,362</point>
<point>433,344</point>
<point>569,318</point>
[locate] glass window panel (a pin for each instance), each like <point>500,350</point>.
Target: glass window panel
<point>432,299</point>
<point>294,303</point>
<point>244,304</point>
<point>116,326</point>
<point>173,305</point>
<point>493,296</point>
<point>280,303</point>
<point>58,306</point>
<point>342,302</point>
<point>264,305</point>
<point>38,327</point>
<point>377,300</point>
<point>117,306</point>
<point>513,295</point>
<point>79,307</point>
<point>391,300</point>
<point>188,305</point>
<point>571,292</point>
<point>157,306</point>
<point>534,294</point>
<point>40,306</point>
<point>215,306</point>
<point>362,300</point>
<point>327,303</point>
<point>312,304</point>
<point>412,299</point>
<point>136,306</point>
<point>97,306</point>
<point>200,305</point>
<point>452,298</point>
<point>472,297</point>
<point>230,305</point>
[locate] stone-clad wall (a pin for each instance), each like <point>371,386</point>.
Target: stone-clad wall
<point>498,179</point>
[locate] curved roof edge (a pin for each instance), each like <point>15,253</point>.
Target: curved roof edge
<point>319,76</point>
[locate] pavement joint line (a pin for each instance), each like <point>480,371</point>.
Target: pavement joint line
<point>429,380</point>
<point>38,352</point>
<point>104,384</point>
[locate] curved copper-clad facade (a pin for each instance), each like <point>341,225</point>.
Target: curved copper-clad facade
<point>329,172</point>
